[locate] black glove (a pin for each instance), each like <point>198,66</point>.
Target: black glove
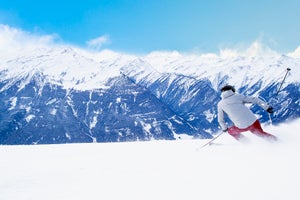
<point>225,130</point>
<point>270,110</point>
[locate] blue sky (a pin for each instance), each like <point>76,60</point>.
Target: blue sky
<point>142,26</point>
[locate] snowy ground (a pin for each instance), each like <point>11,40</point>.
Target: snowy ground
<point>152,170</point>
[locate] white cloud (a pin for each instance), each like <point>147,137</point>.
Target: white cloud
<point>9,34</point>
<point>13,40</point>
<point>98,42</point>
<point>256,49</point>
<point>295,54</point>
<point>259,49</point>
<point>225,53</point>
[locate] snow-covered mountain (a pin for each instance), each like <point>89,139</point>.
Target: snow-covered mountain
<point>64,94</point>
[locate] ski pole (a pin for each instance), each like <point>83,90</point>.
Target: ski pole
<point>287,71</point>
<point>279,89</point>
<point>210,141</point>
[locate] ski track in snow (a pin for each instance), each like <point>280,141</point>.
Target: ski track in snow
<point>257,170</point>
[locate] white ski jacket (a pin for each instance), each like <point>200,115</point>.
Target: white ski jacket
<point>234,106</point>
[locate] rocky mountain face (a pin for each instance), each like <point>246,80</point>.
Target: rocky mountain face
<point>64,96</point>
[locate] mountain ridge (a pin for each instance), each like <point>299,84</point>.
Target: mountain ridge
<point>66,95</point>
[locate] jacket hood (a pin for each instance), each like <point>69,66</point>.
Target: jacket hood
<point>226,94</point>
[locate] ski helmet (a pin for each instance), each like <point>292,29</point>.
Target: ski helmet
<point>227,87</point>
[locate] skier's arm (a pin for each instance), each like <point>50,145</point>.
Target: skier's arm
<point>255,100</point>
<point>221,118</point>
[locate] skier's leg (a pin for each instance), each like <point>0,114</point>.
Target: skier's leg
<point>235,132</point>
<point>257,130</point>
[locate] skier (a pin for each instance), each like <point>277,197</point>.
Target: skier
<point>233,105</point>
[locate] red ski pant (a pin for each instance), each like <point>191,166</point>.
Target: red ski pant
<point>255,128</point>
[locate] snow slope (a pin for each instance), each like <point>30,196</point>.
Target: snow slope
<point>156,170</point>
